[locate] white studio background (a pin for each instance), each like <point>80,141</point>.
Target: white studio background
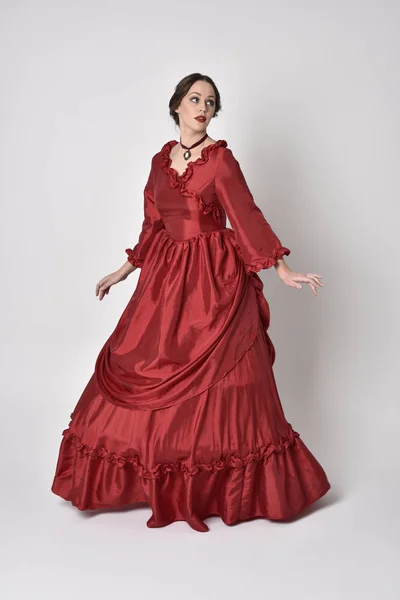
<point>310,108</point>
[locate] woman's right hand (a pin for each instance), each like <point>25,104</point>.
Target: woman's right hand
<point>104,285</point>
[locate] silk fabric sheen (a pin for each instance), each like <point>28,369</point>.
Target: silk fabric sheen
<point>182,410</point>
<point>194,313</point>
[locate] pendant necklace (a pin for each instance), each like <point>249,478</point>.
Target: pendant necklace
<point>188,154</point>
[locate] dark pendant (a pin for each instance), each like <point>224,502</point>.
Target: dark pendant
<point>188,154</point>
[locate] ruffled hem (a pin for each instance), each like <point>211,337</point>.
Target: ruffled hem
<point>261,455</point>
<point>275,482</point>
<point>179,181</point>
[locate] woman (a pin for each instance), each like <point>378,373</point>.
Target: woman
<point>182,411</point>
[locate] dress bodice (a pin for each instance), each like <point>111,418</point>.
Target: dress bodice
<point>188,203</point>
<point>199,201</point>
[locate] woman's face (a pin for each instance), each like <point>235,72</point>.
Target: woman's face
<point>199,101</point>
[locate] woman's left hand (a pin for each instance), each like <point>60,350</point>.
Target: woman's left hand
<point>293,279</point>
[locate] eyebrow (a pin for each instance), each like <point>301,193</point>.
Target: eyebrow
<point>209,96</point>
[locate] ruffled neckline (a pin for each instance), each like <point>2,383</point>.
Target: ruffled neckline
<point>203,158</point>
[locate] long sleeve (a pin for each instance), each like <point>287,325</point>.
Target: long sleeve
<point>259,245</point>
<point>151,224</point>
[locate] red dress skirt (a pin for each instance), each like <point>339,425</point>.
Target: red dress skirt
<point>182,412</point>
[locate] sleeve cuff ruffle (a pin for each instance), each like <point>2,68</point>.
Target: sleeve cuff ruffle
<point>269,262</point>
<point>133,259</point>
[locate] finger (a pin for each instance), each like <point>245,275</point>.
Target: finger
<point>316,278</point>
<point>301,277</point>
<point>98,285</point>
<point>309,277</point>
<point>316,281</point>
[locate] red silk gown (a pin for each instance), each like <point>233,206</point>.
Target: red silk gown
<point>182,412</point>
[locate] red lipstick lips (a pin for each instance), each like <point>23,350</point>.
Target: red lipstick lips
<point>201,119</point>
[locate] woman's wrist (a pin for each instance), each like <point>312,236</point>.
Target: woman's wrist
<point>281,266</point>
<point>127,268</point>
<point>280,263</point>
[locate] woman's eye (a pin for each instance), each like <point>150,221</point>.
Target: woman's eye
<point>196,98</point>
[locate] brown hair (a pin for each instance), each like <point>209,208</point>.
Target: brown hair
<point>182,89</point>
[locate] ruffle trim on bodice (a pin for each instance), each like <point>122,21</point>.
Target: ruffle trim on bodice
<point>260,455</point>
<point>179,181</point>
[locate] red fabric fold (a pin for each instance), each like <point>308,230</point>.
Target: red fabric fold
<point>228,451</point>
<point>192,316</point>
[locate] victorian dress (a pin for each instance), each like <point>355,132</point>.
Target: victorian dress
<point>182,413</point>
